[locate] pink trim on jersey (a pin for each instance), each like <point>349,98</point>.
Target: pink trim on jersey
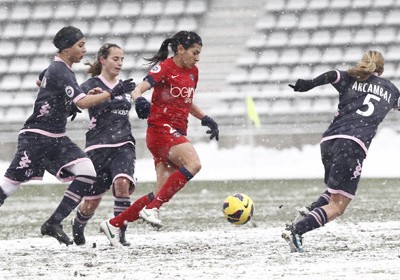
<point>42,132</point>
<point>107,83</point>
<point>17,183</point>
<point>93,147</point>
<point>68,179</point>
<point>358,141</point>
<point>57,58</point>
<point>338,77</point>
<point>123,175</point>
<point>346,194</point>
<point>79,97</point>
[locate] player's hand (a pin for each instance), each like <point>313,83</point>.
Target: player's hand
<point>302,85</point>
<point>74,112</point>
<point>142,107</point>
<point>40,78</point>
<point>94,91</point>
<point>213,127</point>
<point>123,87</point>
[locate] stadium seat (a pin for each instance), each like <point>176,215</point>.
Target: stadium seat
<point>18,65</point>
<point>65,11</point>
<point>259,75</point>
<point>7,48</point>
<point>268,57</point>
<point>13,30</point>
<point>296,5</point>
<point>152,8</point>
<point>121,27</point>
<point>43,12</point>
<point>26,48</point>
<point>332,55</point>
<point>362,4</point>
<point>299,38</point>
<point>53,28</point>
<point>331,19</point>
<point>46,47</point>
<point>321,38</point>
<point>238,76</point>
<point>287,21</point>
<point>373,18</point>
<point>352,54</point>
<point>143,26</point>
<point>352,19</point>
<point>257,41</point>
<point>266,22</point>
<point>100,27</point>
<point>196,7</point>
<point>342,37</point>
<point>382,3</point>
<point>187,23</point>
<point>3,65</point>
<point>153,44</point>
<point>20,12</point>
<point>310,56</point>
<point>289,56</point>
<point>277,39</point>
<point>340,4</point>
<point>275,6</point>
<point>109,9</point>
<point>393,17</point>
<point>10,82</point>
<point>165,26</point>
<point>309,20</point>
<point>130,9</point>
<point>87,10</point>
<point>134,44</point>
<point>38,64</point>
<point>280,74</point>
<point>363,36</point>
<point>174,8</point>
<point>35,30</point>
<point>385,35</point>
<point>318,5</point>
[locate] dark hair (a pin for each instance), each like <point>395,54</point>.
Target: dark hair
<point>66,37</point>
<point>104,52</point>
<point>185,38</point>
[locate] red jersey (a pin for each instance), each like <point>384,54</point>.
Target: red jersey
<point>172,97</point>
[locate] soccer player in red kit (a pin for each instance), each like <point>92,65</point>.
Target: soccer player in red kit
<point>174,81</point>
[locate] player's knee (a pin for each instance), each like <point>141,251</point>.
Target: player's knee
<point>123,187</point>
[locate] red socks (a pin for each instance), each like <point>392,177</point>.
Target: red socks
<point>175,182</point>
<point>132,213</point>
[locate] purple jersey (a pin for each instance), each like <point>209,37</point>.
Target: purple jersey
<point>362,107</point>
<point>109,121</point>
<point>59,89</point>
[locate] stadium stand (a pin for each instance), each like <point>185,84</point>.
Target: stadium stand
<point>252,48</point>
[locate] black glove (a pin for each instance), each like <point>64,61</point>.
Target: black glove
<point>74,111</point>
<point>142,107</point>
<point>123,87</point>
<point>302,85</point>
<point>41,75</point>
<point>212,125</point>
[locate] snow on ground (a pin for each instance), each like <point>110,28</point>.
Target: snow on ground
<point>355,247</point>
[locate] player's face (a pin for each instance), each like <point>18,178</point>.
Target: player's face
<point>112,65</point>
<point>191,56</point>
<point>77,51</point>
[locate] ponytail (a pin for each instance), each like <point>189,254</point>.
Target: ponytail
<point>185,38</point>
<point>371,62</point>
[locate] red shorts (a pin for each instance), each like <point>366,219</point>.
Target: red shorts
<point>160,139</point>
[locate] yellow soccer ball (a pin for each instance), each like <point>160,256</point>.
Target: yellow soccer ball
<point>238,208</point>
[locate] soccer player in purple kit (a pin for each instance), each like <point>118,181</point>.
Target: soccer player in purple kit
<point>42,142</point>
<point>365,98</point>
<point>109,142</point>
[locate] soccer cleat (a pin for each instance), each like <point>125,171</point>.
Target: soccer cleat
<point>77,232</point>
<point>294,240</point>
<point>112,233</point>
<point>56,231</point>
<point>302,212</point>
<point>122,238</point>
<point>151,216</point>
